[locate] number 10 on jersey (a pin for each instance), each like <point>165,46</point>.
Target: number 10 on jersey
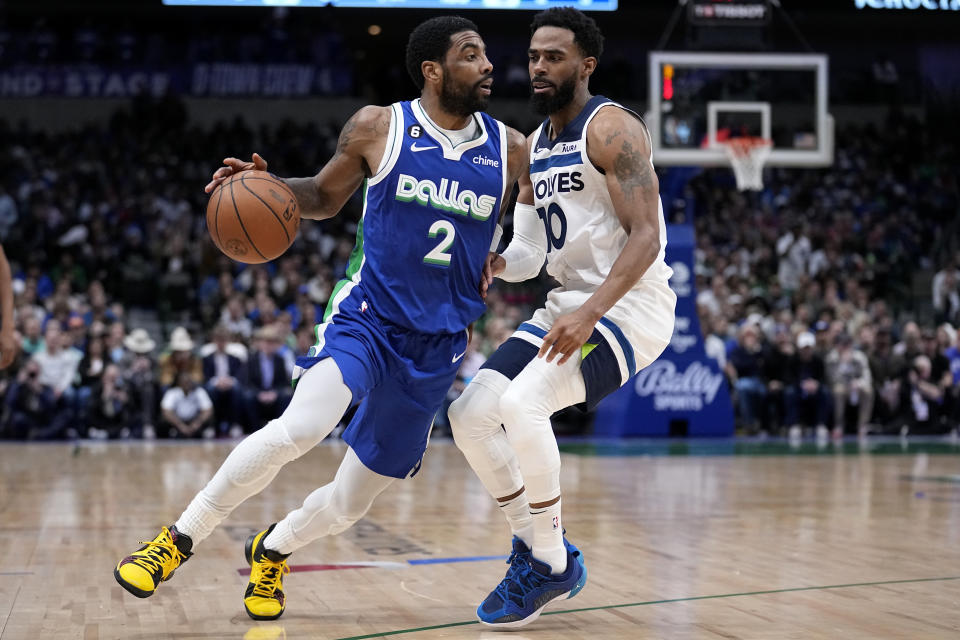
<point>548,215</point>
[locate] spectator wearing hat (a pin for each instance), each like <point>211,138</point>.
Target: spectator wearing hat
<point>851,382</point>
<point>269,390</point>
<point>225,379</point>
<point>186,409</point>
<point>807,400</point>
<point>180,359</point>
<point>137,370</point>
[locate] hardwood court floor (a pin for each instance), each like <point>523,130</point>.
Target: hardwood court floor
<point>777,545</point>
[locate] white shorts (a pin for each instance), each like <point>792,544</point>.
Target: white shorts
<point>629,337</point>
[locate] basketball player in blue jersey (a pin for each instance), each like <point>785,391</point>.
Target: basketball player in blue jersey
<point>435,173</point>
<point>598,221</point>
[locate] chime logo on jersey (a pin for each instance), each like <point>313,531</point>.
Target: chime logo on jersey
<point>446,196</point>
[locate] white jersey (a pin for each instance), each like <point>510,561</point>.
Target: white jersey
<point>584,235</point>
<point>585,238</point>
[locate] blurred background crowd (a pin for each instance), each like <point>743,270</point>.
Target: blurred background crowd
<point>831,299</point>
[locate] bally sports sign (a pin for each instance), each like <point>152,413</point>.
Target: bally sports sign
<point>683,392</point>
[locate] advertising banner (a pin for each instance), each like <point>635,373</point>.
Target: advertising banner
<point>683,393</point>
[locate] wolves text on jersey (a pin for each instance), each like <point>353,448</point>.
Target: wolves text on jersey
<point>558,183</point>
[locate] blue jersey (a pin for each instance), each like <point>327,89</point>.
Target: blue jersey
<point>429,214</point>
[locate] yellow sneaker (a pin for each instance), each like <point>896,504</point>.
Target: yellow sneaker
<point>141,572</point>
<point>264,598</point>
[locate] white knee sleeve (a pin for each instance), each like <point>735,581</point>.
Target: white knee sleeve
<point>476,426</point>
<point>538,391</point>
<point>331,509</point>
<point>318,403</point>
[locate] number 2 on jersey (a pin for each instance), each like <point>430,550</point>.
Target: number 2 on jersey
<point>547,215</point>
<point>438,255</point>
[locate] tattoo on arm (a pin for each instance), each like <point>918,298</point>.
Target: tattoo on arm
<point>632,171</point>
<point>346,135</point>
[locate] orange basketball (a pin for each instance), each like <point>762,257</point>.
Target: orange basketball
<point>252,217</point>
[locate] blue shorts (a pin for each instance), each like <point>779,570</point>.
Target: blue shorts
<point>398,376</point>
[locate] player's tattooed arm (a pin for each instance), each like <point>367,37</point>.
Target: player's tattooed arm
<point>361,145</point>
<point>618,145</point>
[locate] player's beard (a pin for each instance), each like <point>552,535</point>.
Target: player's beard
<point>462,100</point>
<point>545,103</point>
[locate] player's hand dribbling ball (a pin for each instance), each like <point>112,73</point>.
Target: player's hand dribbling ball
<point>252,217</point>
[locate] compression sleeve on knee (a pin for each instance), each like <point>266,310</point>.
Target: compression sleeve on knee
<point>528,249</point>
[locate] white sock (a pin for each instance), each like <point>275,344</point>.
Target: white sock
<point>548,537</point>
<point>517,513</point>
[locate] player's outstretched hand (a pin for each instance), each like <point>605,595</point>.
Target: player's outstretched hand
<point>235,165</point>
<point>567,335</point>
<point>492,267</point>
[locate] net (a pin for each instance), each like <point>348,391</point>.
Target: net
<point>747,156</point>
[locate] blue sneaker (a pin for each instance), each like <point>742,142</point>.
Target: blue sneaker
<point>528,587</point>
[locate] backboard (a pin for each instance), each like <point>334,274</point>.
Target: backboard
<point>700,99</point>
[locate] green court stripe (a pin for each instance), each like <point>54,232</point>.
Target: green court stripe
<point>691,599</point>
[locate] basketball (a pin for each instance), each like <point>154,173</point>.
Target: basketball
<point>252,217</point>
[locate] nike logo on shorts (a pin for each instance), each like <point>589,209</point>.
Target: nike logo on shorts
<point>415,148</point>
<point>455,358</point>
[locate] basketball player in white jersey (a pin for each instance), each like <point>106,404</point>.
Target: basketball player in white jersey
<point>598,221</point>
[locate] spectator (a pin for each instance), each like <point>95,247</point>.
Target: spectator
<point>946,292</point>
<point>226,380</point>
<point>745,369</point>
<point>848,370</point>
<point>793,251</point>
<point>807,399</point>
<point>947,340</point>
<point>269,390</point>
<point>779,375</point>
<point>58,368</point>
<point>180,359</point>
<point>32,412</point>
<point>187,408</point>
<point>940,374</point>
<point>32,337</point>
<point>90,370</point>
<point>137,369</point>
<point>235,319</point>
<point>923,398</point>
<point>112,410</point>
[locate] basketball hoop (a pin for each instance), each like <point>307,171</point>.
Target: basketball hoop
<point>747,156</point>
